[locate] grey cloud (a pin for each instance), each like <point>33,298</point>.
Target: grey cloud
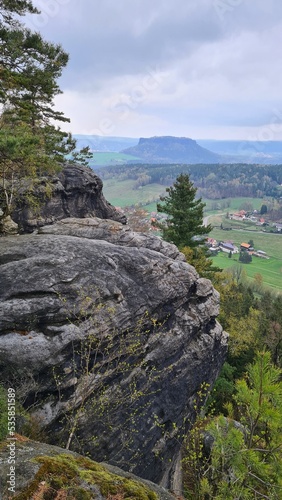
<point>223,66</point>
<point>113,40</point>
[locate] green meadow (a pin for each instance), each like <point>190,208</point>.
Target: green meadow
<point>270,269</point>
<point>268,242</point>
<point>121,193</point>
<point>106,159</point>
<point>234,204</point>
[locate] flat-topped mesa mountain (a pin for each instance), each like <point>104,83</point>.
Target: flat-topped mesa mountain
<point>108,336</point>
<point>171,150</point>
<point>75,192</point>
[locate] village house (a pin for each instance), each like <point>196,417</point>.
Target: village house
<point>261,222</point>
<point>246,246</point>
<point>252,218</point>
<point>211,242</point>
<point>241,215</point>
<point>228,246</point>
<point>261,254</point>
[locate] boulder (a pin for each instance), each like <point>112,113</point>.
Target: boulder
<point>75,192</point>
<point>109,338</point>
<point>8,226</point>
<point>45,471</point>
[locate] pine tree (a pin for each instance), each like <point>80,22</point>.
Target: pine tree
<point>245,459</point>
<point>198,258</point>
<point>185,214</point>
<point>30,143</point>
<point>245,257</point>
<point>29,66</point>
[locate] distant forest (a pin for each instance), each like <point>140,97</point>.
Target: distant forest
<point>213,181</point>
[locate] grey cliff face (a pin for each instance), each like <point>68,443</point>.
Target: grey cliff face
<point>111,335</point>
<point>75,192</point>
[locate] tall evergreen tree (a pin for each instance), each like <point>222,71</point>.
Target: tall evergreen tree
<point>30,143</point>
<point>185,214</point>
<point>8,9</point>
<point>29,67</point>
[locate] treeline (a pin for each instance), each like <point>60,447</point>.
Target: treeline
<point>213,181</point>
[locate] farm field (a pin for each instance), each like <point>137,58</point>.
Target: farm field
<point>235,204</point>
<point>270,269</point>
<point>122,194</point>
<point>106,159</point>
<point>269,243</point>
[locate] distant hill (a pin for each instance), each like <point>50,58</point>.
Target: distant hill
<point>169,149</point>
<point>104,144</point>
<point>179,150</point>
<point>261,152</point>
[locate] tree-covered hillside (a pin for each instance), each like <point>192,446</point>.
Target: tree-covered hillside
<point>213,181</point>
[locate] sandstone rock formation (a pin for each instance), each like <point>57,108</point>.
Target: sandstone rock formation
<point>75,192</point>
<point>108,336</point>
<point>45,471</point>
<point>8,226</point>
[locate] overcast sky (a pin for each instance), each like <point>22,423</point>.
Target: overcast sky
<point>205,69</point>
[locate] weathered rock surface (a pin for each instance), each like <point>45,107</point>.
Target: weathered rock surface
<point>45,471</point>
<point>75,192</point>
<point>109,336</point>
<point>8,226</point>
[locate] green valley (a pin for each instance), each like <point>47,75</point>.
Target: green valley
<point>142,185</point>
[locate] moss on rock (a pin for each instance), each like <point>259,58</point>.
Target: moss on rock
<point>54,474</point>
<point>66,473</point>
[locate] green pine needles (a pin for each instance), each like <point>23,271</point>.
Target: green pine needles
<point>184,225</point>
<point>245,457</point>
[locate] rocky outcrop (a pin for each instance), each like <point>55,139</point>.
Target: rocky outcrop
<point>109,337</point>
<point>75,192</point>
<point>45,471</point>
<point>8,226</point>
